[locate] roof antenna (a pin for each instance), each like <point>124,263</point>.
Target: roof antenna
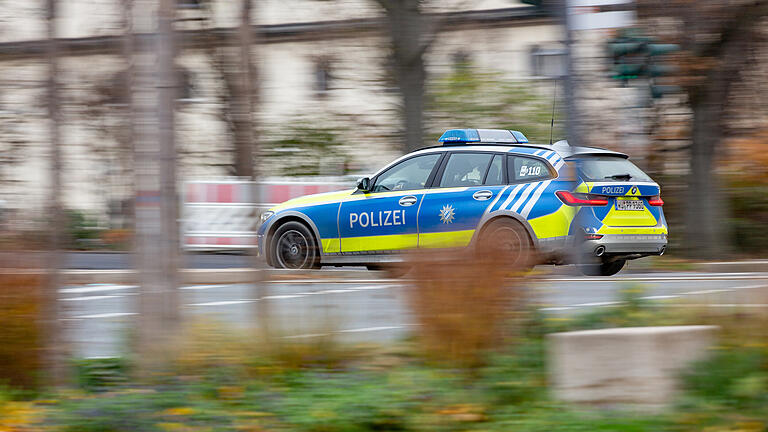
<point>552,123</point>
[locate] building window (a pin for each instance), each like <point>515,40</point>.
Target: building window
<point>461,61</point>
<point>548,63</point>
<point>115,91</point>
<point>323,76</point>
<point>188,4</point>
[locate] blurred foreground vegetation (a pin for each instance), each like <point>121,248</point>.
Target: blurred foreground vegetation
<point>226,381</point>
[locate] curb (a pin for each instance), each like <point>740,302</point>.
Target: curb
<point>754,266</point>
<point>203,276</point>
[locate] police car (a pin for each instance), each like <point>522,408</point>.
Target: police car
<point>479,188</point>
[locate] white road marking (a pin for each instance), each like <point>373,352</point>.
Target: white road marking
<point>660,297</point>
<point>370,329</point>
<point>222,303</point>
<point>712,291</point>
<point>726,276</point>
<point>106,315</point>
<point>283,296</point>
<point>95,288</point>
<point>87,298</point>
<point>335,291</point>
<point>205,287</point>
<point>596,304</point>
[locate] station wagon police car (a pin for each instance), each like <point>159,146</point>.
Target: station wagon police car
<point>479,188</point>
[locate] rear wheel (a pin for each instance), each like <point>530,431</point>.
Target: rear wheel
<point>507,241</point>
<point>604,268</point>
<point>294,247</point>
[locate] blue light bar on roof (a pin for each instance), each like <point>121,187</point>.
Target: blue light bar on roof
<point>522,139</point>
<point>462,136</point>
<point>459,136</point>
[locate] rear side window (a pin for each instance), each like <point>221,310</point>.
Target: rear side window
<point>607,168</point>
<point>525,169</point>
<point>465,169</point>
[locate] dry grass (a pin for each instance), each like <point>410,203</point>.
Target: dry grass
<point>465,303</point>
<point>209,345</point>
<point>21,337</point>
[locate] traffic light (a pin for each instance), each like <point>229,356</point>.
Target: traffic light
<point>636,56</point>
<point>656,68</point>
<point>627,51</point>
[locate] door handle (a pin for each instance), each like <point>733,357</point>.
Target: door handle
<point>407,200</point>
<point>482,195</point>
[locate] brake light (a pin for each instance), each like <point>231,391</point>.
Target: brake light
<point>593,236</point>
<point>581,199</point>
<point>655,201</point>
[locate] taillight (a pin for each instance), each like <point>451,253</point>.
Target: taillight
<point>581,199</point>
<point>655,201</point>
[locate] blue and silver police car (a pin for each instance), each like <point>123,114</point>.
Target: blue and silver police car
<point>479,188</point>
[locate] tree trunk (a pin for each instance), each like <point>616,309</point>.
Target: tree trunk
<point>411,34</point>
<point>156,205</point>
<point>242,112</point>
<point>704,201</point>
<point>55,345</point>
<point>411,80</point>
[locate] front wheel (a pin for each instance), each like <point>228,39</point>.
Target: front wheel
<point>604,268</point>
<point>294,247</point>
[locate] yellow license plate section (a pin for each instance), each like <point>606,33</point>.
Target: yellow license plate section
<point>629,218</point>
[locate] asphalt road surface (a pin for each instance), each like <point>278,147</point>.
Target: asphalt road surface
<point>98,317</point>
<point>124,261</point>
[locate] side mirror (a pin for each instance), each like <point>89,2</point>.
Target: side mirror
<point>364,184</point>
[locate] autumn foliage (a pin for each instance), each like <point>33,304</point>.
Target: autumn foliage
<point>465,303</point>
<point>21,336</point>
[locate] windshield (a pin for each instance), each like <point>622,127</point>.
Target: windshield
<point>603,168</point>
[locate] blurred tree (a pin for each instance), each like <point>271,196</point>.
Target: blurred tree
<point>411,35</point>
<point>53,332</point>
<point>716,37</point>
<point>304,149</point>
<point>468,97</point>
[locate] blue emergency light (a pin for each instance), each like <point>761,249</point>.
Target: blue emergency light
<point>497,136</point>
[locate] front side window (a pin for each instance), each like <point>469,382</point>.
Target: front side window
<point>465,169</point>
<point>525,169</point>
<point>409,174</point>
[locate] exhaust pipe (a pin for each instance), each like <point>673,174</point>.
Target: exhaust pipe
<point>599,251</point>
<point>663,249</point>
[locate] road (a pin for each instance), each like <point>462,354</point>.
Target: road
<point>123,261</point>
<point>368,308</point>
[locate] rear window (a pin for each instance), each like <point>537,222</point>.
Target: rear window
<point>606,168</point>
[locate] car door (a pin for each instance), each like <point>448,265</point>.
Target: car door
<point>385,219</point>
<point>466,185</point>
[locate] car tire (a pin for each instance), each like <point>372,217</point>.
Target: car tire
<point>506,240</point>
<point>294,247</point>
<point>603,268</point>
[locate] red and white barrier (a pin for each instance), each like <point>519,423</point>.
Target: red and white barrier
<point>220,214</point>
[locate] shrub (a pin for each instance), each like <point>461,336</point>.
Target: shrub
<point>21,338</point>
<point>465,304</point>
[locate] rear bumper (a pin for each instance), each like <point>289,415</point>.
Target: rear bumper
<point>647,244</point>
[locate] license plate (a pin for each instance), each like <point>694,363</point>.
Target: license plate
<point>635,205</point>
